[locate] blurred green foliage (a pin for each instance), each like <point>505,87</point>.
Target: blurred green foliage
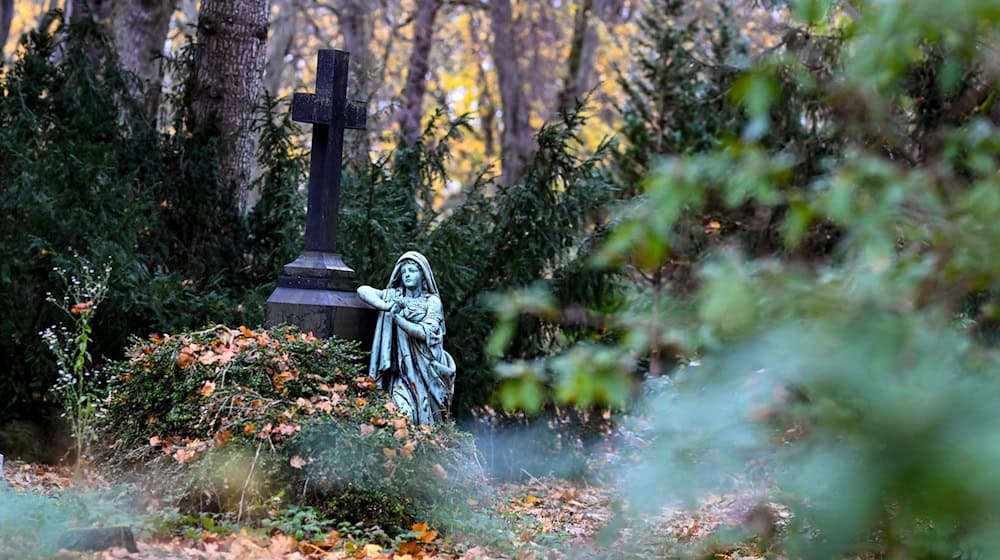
<point>842,297</point>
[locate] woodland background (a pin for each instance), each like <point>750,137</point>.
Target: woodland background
<point>686,250</point>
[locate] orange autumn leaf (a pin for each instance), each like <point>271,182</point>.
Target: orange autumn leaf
<point>419,528</point>
<point>222,438</point>
<point>207,389</point>
<point>408,449</point>
<point>157,339</point>
<point>391,406</point>
<point>155,441</point>
<point>428,536</point>
<point>401,433</point>
<point>82,307</point>
<point>297,462</point>
<point>360,402</point>
<point>184,455</point>
<point>249,429</point>
<point>408,549</point>
<point>399,422</point>
<point>325,406</point>
<point>246,332</point>
<point>389,453</point>
<point>185,358</point>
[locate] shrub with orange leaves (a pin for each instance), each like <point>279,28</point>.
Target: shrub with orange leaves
<point>235,418</point>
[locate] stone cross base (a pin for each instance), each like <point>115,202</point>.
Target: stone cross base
<point>317,293</point>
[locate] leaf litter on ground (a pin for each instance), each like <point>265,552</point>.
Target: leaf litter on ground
<point>556,518</point>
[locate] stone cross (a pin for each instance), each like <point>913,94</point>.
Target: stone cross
<point>316,291</point>
<point>330,112</point>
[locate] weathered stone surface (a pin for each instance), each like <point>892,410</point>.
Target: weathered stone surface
<point>98,538</point>
<point>316,292</point>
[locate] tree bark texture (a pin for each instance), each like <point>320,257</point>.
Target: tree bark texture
<point>228,74</point>
<point>283,30</point>
<point>140,29</point>
<point>581,57</point>
<point>412,112</point>
<point>6,17</point>
<point>515,142</point>
<point>97,10</point>
<point>358,31</point>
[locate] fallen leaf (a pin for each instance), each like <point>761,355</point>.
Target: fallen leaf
<point>439,472</point>
<point>154,441</point>
<point>408,449</point>
<point>222,438</point>
<point>207,389</point>
<point>390,453</point>
<point>401,433</point>
<point>184,455</point>
<point>185,358</point>
<point>373,550</point>
<point>367,429</point>
<point>297,462</point>
<point>281,545</point>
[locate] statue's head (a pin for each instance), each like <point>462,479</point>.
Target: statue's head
<point>411,275</point>
<point>413,272</point>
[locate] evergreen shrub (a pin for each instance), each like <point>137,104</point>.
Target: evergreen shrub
<point>84,175</point>
<point>244,421</point>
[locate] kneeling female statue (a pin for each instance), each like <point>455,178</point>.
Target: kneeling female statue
<point>408,357</point>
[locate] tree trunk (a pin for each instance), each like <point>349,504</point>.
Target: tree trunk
<point>97,10</point>
<point>6,17</point>
<point>140,29</point>
<point>515,143</point>
<point>228,75</point>
<point>416,75</point>
<point>282,38</point>
<point>580,59</point>
<point>357,28</point>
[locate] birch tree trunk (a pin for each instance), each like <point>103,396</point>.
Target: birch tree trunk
<point>140,29</point>
<point>515,141</point>
<point>412,112</point>
<point>228,75</point>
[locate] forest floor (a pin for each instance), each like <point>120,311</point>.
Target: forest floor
<point>550,518</point>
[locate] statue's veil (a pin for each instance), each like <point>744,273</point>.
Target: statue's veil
<point>425,269</point>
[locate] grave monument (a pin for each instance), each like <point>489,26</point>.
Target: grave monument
<point>317,291</point>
